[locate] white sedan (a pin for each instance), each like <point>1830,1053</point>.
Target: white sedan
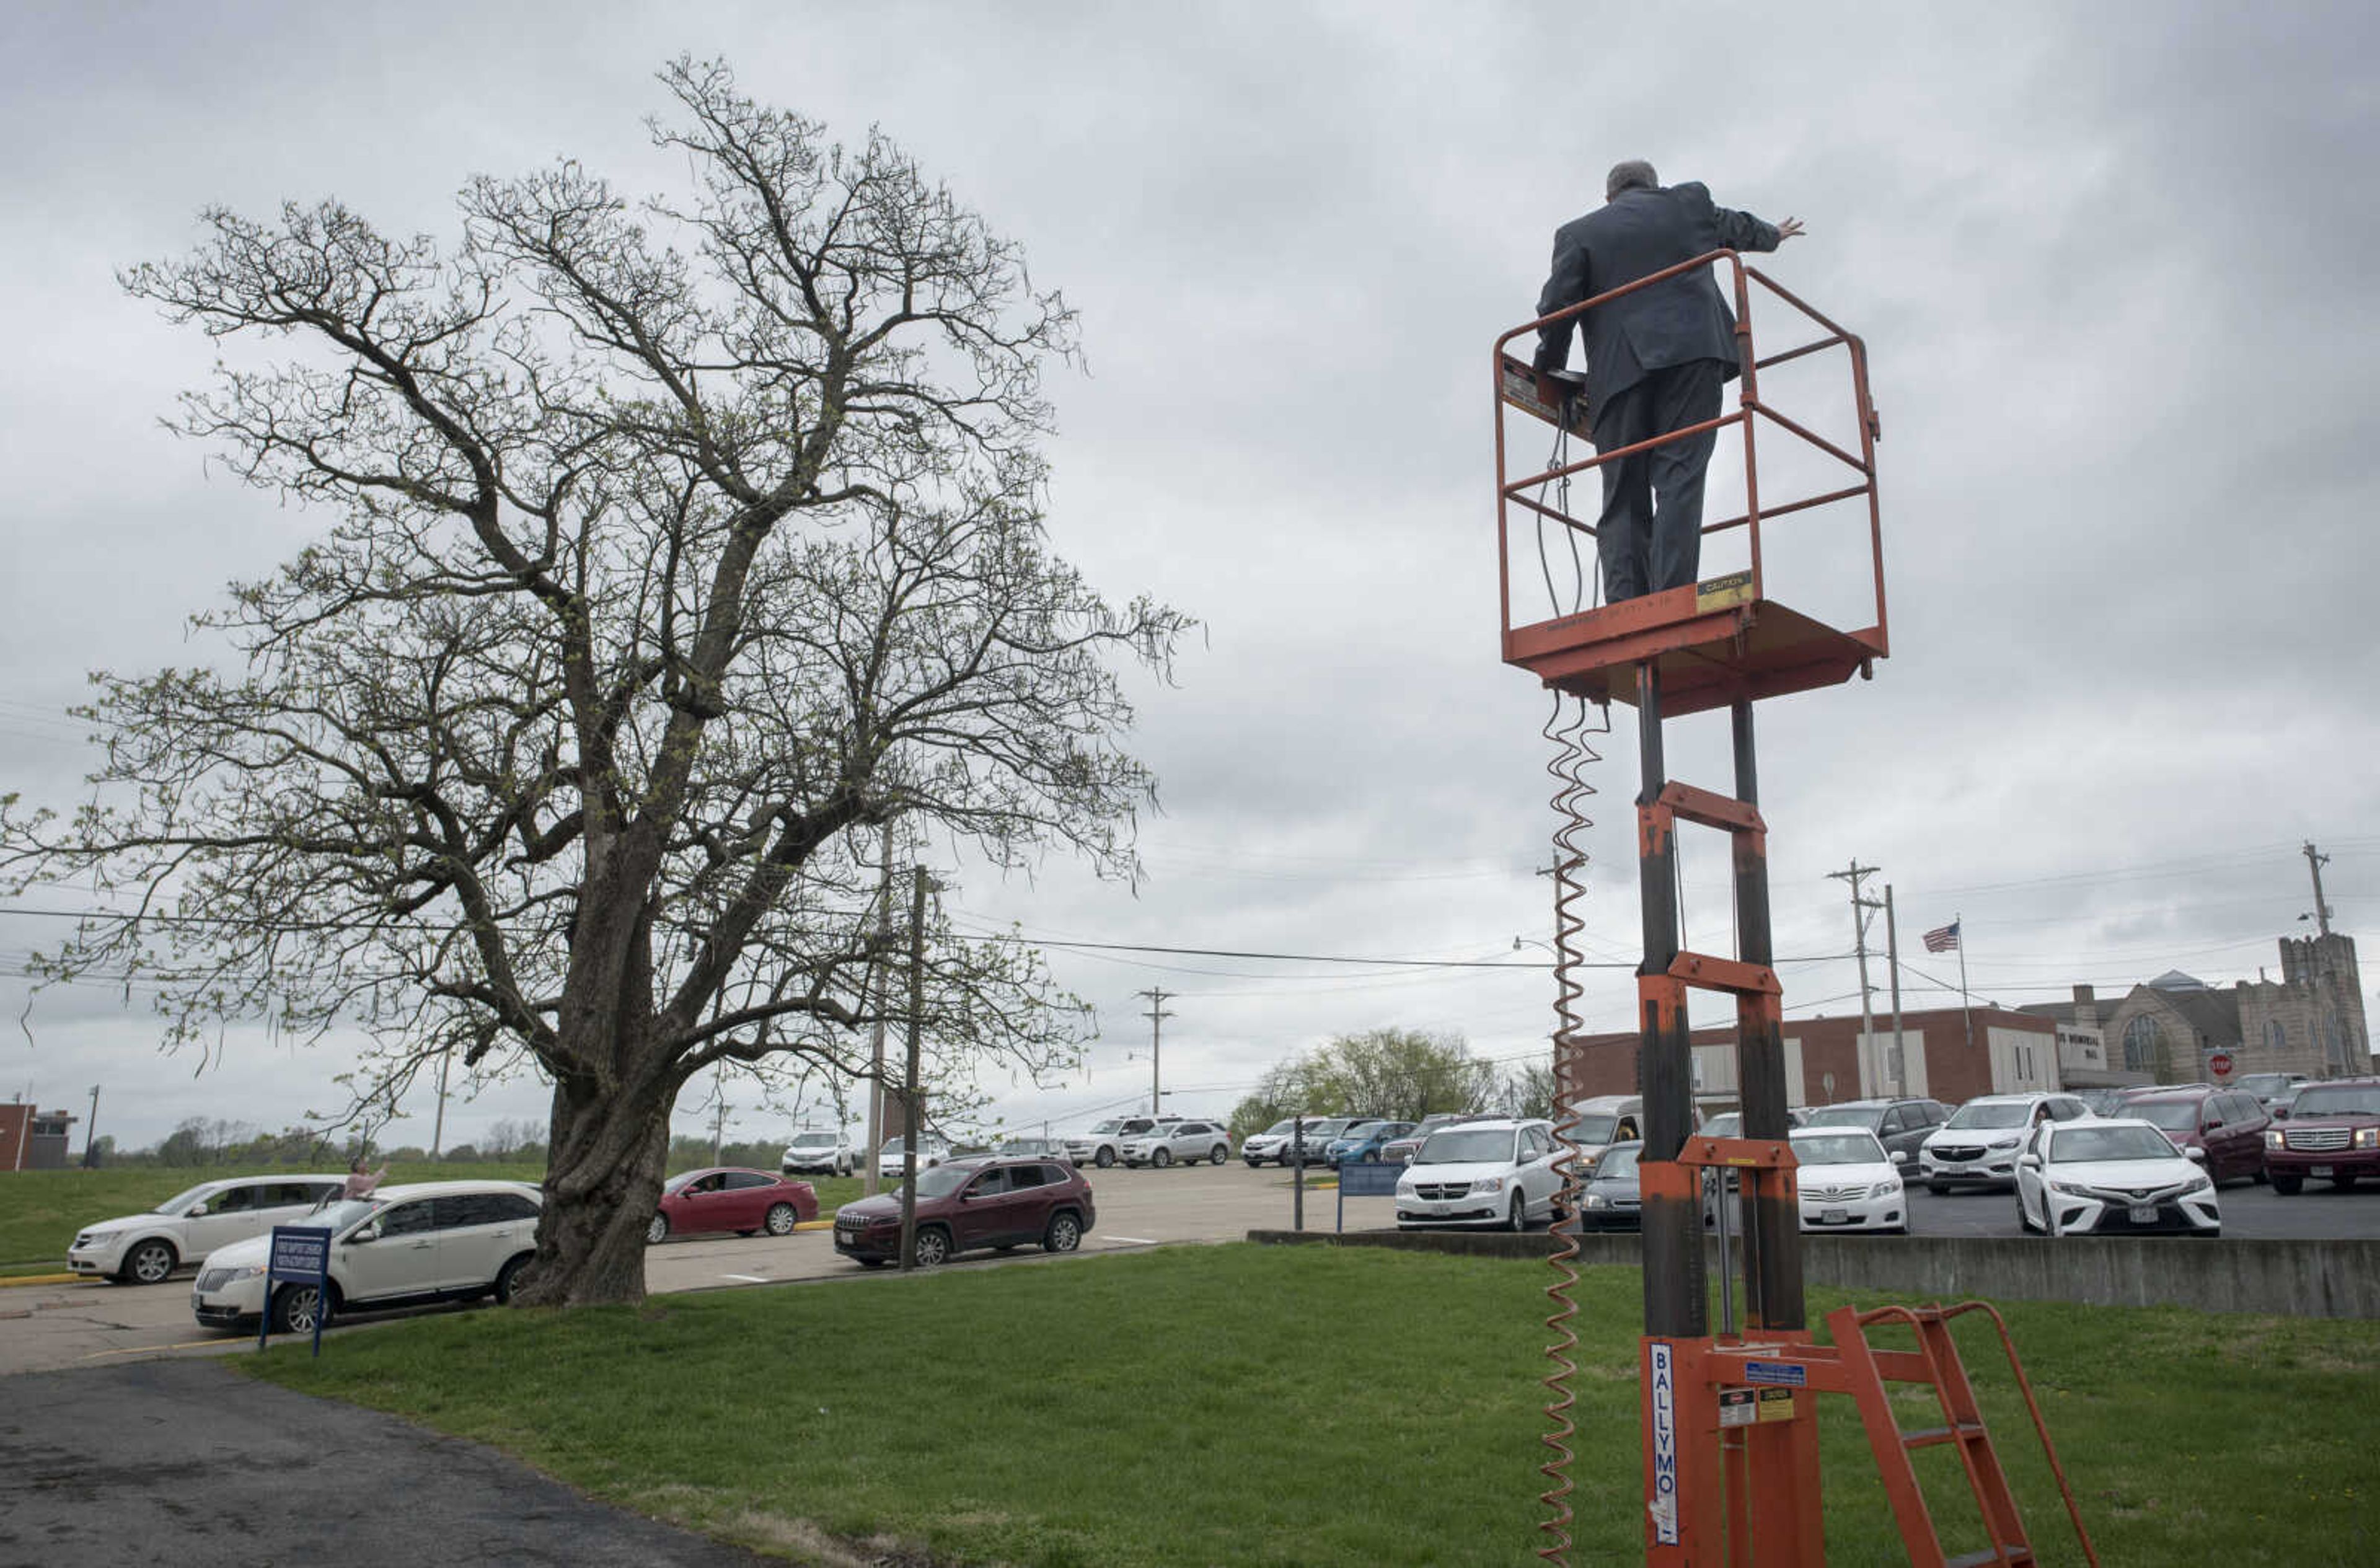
<point>1847,1182</point>
<point>2112,1178</point>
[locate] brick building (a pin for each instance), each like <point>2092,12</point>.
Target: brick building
<point>33,1140</point>
<point>1945,1054</point>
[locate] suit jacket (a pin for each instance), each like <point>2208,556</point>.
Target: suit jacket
<point>1636,235</point>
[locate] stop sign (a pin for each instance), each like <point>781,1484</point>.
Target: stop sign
<point>2221,1064</point>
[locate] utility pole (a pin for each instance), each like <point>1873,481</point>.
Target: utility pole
<point>1861,907</point>
<point>438,1123</point>
<point>90,1133</point>
<point>1892,962</point>
<point>909,1080</point>
<point>882,988</point>
<point>2314,863</point>
<point>1156,1016</point>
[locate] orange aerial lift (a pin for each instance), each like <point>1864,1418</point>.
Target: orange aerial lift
<point>1731,1466</point>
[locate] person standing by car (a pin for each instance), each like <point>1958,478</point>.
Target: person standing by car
<point>361,1182</point>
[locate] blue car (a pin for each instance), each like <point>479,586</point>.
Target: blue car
<point>1362,1142</point>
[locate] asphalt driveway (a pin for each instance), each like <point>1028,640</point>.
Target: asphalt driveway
<point>186,1462</point>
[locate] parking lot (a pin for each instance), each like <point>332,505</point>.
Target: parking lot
<point>51,1327</point>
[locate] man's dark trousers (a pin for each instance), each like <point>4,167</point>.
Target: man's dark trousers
<point>1650,535</point>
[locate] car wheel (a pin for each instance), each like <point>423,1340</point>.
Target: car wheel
<point>1106,1158</point>
<point>783,1218</point>
<point>2289,1186</point>
<point>658,1232</point>
<point>2023,1219</point>
<point>932,1247</point>
<point>296,1309</point>
<point>1219,1153</point>
<point>509,1275</point>
<point>151,1263</point>
<point>869,1262</point>
<point>1371,1156</point>
<point>1162,1158</point>
<point>1517,1218</point>
<point>1064,1234</point>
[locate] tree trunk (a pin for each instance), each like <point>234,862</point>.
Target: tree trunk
<point>602,1179</point>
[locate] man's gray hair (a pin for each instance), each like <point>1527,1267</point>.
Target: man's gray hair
<point>1628,177</point>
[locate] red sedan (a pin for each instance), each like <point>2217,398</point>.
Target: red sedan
<point>731,1199</point>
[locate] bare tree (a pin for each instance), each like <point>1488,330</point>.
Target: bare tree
<point>677,544</point>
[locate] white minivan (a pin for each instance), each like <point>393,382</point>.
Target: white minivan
<point>146,1248</point>
<point>1495,1174</point>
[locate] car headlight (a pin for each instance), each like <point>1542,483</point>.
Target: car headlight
<point>2006,1143</point>
<point>1885,1189</point>
<point>1489,1184</point>
<point>2073,1189</point>
<point>1596,1200</point>
<point>1404,1189</point>
<point>89,1238</point>
<point>2367,1137</point>
<point>251,1271</point>
<point>2273,1137</point>
<point>2198,1183</point>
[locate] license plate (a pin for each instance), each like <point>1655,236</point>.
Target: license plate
<point>2144,1213</point>
<point>2317,1170</point>
<point>1834,1217</point>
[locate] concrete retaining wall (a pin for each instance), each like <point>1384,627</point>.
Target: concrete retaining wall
<point>2295,1278</point>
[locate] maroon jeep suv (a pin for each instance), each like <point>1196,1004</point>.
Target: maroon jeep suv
<point>2225,1125</point>
<point>966,1204</point>
<point>2333,1133</point>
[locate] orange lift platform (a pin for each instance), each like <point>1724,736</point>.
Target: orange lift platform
<point>1730,1469</point>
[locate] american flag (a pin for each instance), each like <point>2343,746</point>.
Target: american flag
<point>1943,939</point>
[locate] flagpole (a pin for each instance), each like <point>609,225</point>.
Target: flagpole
<point>1966,1013</point>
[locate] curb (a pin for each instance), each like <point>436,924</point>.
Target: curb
<point>814,1224</point>
<point>8,1280</point>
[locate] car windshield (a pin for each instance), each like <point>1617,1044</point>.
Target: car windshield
<point>941,1180</point>
<point>340,1212</point>
<point>2072,1146</point>
<point>1618,1163</point>
<point>1856,1116</point>
<point>2322,1101</point>
<point>1461,1145</point>
<point>1284,1128</point>
<point>1839,1148</point>
<point>813,1140</point>
<point>679,1180</point>
<point>1991,1114</point>
<point>180,1201</point>
<point>1362,1129</point>
<point>896,1146</point>
<point>2173,1115</point>
<point>1722,1125</point>
<point>1595,1127</point>
<point>1104,1128</point>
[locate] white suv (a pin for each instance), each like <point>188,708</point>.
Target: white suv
<point>426,1241</point>
<point>829,1153</point>
<point>1186,1141</point>
<point>1103,1145</point>
<point>1494,1173</point>
<point>147,1248</point>
<point>1977,1148</point>
<point>892,1159</point>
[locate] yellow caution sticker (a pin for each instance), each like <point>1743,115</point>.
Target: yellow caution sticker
<point>1723,593</point>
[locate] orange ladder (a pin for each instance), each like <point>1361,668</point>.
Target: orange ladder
<point>1936,1363</point>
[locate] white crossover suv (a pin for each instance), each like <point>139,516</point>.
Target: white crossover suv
<point>1496,1174</point>
<point>1179,1143</point>
<point>1977,1145</point>
<point>146,1248</point>
<point>821,1154</point>
<point>425,1241</point>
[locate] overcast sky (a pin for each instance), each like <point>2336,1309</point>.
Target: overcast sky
<point>2110,262</point>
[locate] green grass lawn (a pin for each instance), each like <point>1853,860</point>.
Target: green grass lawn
<point>1253,1406</point>
<point>41,1210</point>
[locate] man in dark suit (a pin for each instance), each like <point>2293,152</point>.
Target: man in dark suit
<point>1654,361</point>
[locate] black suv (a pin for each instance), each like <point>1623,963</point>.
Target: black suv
<point>1901,1126</point>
